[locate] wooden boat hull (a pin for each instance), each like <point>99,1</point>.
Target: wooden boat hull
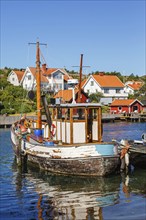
<point>92,166</point>
<point>71,160</point>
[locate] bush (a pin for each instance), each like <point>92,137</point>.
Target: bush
<point>8,111</point>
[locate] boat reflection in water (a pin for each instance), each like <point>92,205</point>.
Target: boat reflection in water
<point>72,197</point>
<point>69,197</point>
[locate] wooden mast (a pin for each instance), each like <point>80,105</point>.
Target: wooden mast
<point>80,79</point>
<point>38,82</point>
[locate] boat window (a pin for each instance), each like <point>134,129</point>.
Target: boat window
<point>78,113</point>
<point>59,113</point>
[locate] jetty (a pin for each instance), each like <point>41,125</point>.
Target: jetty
<point>7,120</point>
<point>134,117</point>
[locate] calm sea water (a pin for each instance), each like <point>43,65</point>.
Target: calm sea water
<point>34,195</point>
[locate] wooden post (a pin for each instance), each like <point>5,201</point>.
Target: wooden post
<point>99,125</point>
<point>71,125</point>
<point>86,124</point>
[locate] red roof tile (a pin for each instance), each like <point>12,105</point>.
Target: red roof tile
<point>122,102</point>
<point>19,74</point>
<point>33,71</point>
<point>108,80</point>
<point>66,95</point>
<point>135,86</point>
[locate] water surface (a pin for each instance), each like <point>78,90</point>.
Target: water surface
<point>39,195</point>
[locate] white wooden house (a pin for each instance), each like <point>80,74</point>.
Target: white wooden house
<point>28,81</point>
<point>132,86</point>
<point>57,77</point>
<point>52,79</point>
<point>15,77</point>
<point>109,85</point>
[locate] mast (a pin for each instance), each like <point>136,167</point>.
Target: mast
<point>38,82</point>
<point>80,79</point>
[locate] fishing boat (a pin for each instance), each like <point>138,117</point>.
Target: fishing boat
<point>68,141</point>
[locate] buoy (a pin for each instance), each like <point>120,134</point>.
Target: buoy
<point>53,130</point>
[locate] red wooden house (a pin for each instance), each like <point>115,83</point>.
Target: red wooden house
<point>126,106</point>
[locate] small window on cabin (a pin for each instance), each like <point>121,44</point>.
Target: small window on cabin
<point>81,114</point>
<point>92,114</point>
<point>13,79</point>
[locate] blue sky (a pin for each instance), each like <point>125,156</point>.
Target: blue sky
<point>110,34</point>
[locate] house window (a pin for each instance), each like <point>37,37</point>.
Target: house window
<point>13,79</point>
<point>92,83</point>
<point>29,77</point>
<point>117,90</point>
<point>106,91</point>
<point>59,86</point>
<point>58,76</point>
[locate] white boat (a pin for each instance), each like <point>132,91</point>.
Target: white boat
<point>69,141</point>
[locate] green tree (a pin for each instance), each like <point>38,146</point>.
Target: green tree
<point>95,97</point>
<point>14,99</point>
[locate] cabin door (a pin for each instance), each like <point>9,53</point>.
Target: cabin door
<point>89,125</point>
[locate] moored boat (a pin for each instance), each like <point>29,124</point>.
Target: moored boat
<point>69,141</point>
<point>138,152</point>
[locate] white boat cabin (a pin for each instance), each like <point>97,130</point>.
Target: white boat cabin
<point>76,123</point>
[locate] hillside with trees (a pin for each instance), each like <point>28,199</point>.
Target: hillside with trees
<point>14,99</point>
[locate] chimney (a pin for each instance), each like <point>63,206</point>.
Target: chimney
<point>101,74</point>
<point>44,68</point>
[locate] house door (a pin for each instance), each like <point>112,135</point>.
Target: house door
<point>135,108</point>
